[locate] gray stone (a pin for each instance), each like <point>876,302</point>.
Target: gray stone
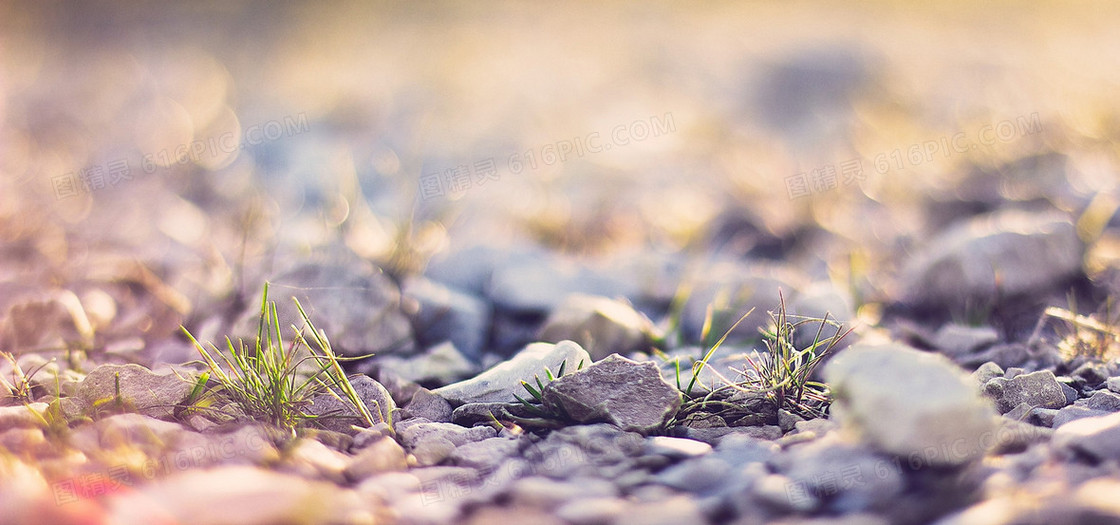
<point>787,420</point>
<point>819,427</point>
<point>601,325</point>
<point>442,313</point>
<point>1043,417</point>
<point>1097,437</point>
<point>485,455</point>
<point>617,390</point>
<point>986,372</point>
<point>1006,253</point>
<point>149,393</point>
<point>431,443</point>
<point>905,402</point>
<point>1071,393</point>
<point>767,432</point>
<point>710,435</point>
<point>1073,413</point>
<point>957,339</point>
<point>429,406</point>
<point>439,365</point>
<point>1015,436</point>
<point>472,414</point>
<point>1038,389</point>
<point>501,382</point>
<point>356,305</point>
<point>1104,400</point>
<point>338,414</point>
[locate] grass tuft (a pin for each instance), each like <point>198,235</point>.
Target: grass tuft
<point>269,381</point>
<point>1095,337</point>
<point>783,376</point>
<point>20,386</point>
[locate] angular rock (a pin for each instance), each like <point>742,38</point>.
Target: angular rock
<point>429,406</point>
<point>1038,389</point>
<point>601,325</point>
<point>149,393</point>
<point>1074,413</point>
<point>617,390</point>
<point>986,372</point>
<point>904,402</point>
<point>1104,400</point>
<point>340,415</point>
<point>501,382</point>
<point>1098,437</point>
<point>1007,253</point>
<point>442,313</point>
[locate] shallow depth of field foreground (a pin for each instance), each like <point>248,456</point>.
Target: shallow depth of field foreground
<point>621,263</point>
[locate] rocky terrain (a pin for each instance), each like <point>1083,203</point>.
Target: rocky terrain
<point>603,264</point>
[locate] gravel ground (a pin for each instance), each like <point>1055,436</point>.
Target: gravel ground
<point>475,194</point>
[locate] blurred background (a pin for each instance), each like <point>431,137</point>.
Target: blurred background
<point>161,160</point>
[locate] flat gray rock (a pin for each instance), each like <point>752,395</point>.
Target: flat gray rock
<point>149,393</point>
<point>617,390</point>
<point>1037,389</point>
<point>500,383</point>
